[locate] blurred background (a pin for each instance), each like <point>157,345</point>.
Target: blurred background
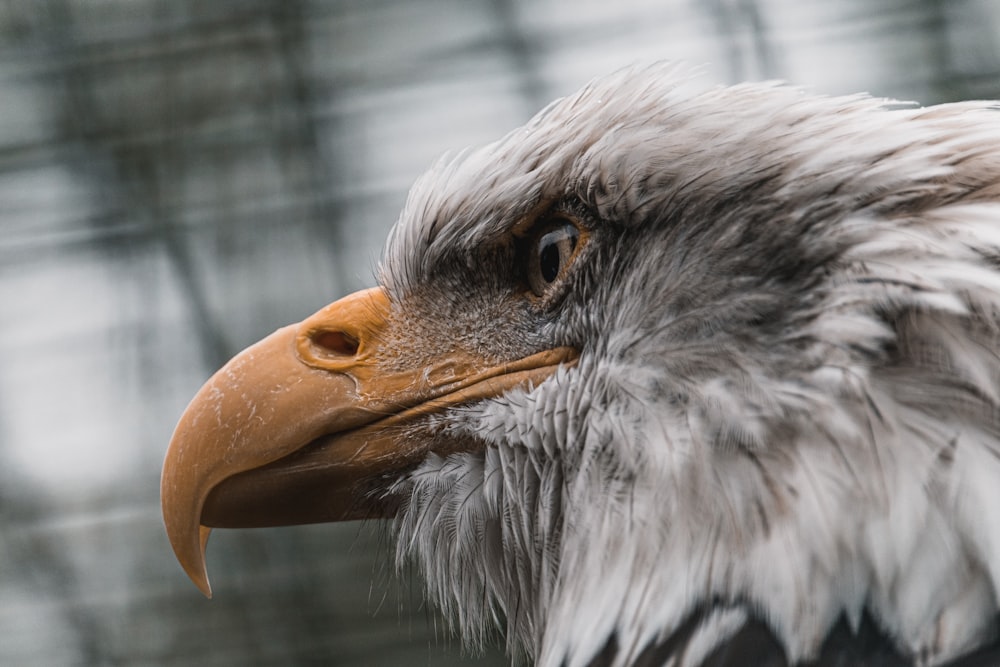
<point>179,178</point>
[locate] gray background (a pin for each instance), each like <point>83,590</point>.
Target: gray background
<point>179,178</point>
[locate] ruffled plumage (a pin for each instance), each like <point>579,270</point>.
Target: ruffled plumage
<point>785,410</point>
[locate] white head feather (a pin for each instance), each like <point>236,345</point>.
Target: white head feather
<point>786,404</point>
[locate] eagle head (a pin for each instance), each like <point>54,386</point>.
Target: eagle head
<point>668,364</point>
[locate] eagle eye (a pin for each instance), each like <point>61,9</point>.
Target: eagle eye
<point>551,248</point>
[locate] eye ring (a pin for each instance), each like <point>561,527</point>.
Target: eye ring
<point>550,248</point>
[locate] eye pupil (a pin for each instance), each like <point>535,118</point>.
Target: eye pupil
<point>549,261</point>
<point>550,253</point>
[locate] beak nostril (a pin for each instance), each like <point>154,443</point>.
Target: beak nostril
<point>344,333</point>
<point>337,342</point>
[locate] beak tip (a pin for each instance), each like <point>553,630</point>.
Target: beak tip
<point>192,559</point>
<point>204,587</point>
<point>198,570</point>
<point>200,579</point>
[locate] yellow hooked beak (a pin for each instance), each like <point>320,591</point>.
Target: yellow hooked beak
<point>308,425</point>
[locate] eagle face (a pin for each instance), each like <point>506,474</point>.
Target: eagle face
<point>663,365</point>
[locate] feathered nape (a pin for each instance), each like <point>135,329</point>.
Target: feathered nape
<point>835,456</point>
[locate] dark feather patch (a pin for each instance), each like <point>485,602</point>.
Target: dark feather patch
<point>756,645</point>
<point>606,656</point>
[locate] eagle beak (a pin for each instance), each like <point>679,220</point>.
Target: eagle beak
<point>308,425</point>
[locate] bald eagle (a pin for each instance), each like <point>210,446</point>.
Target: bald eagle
<point>671,375</point>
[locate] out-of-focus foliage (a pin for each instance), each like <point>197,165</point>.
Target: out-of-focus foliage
<point>179,178</point>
